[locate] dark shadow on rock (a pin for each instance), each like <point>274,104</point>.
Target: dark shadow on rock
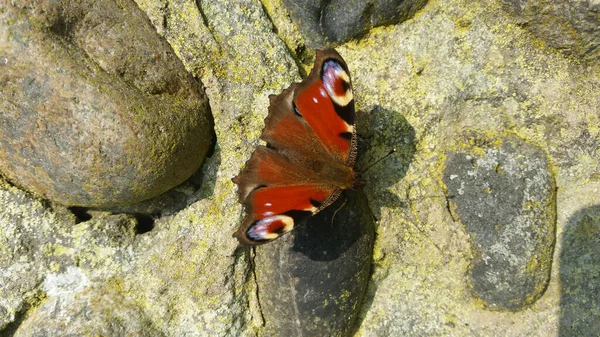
<point>312,281</point>
<point>12,327</point>
<point>329,234</point>
<point>381,130</point>
<point>580,275</point>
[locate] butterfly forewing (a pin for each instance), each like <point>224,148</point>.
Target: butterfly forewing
<point>327,105</point>
<point>311,148</point>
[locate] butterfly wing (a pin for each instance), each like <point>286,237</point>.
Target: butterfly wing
<point>311,148</point>
<point>316,117</point>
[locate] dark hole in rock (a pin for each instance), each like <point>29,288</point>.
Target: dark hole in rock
<point>145,223</point>
<point>61,27</point>
<point>81,214</point>
<point>213,137</point>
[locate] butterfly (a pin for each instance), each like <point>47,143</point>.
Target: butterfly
<point>309,155</point>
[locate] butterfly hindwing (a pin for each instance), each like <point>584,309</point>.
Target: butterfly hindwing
<point>310,152</point>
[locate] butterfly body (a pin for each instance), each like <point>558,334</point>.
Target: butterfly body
<point>309,156</point>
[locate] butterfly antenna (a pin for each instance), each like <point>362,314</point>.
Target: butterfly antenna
<point>334,213</point>
<point>377,161</point>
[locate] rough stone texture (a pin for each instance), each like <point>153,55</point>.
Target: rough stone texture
<point>455,65</point>
<point>96,108</point>
<point>503,192</point>
<point>580,274</point>
<point>325,23</point>
<point>37,239</point>
<point>74,308</point>
<point>570,26</point>
<point>313,280</point>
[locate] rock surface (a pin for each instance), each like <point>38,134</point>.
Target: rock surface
<point>325,23</point>
<point>580,274</point>
<point>37,240</point>
<point>76,308</point>
<point>570,26</point>
<point>312,281</point>
<point>96,109</point>
<point>502,190</point>
<point>419,86</point>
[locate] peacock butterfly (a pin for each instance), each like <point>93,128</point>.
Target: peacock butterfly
<point>309,156</point>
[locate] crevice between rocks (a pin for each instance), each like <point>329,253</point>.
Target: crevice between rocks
<point>145,223</point>
<point>256,286</point>
<point>81,214</point>
<point>13,326</point>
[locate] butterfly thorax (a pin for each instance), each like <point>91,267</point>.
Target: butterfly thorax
<point>340,176</point>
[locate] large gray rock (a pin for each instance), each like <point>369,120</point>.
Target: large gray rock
<point>505,196</point>
<point>580,274</point>
<point>37,239</point>
<point>96,108</point>
<point>312,281</point>
<point>570,26</point>
<point>75,308</point>
<point>325,23</point>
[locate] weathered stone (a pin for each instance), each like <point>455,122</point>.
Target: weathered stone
<point>96,108</point>
<point>192,278</point>
<point>569,26</point>
<point>504,194</point>
<point>168,203</point>
<point>324,23</point>
<point>311,282</point>
<point>580,274</point>
<point>75,308</point>
<point>37,239</point>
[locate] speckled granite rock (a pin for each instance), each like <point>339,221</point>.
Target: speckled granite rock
<point>570,26</point>
<point>580,274</point>
<point>326,23</point>
<point>503,192</point>
<point>313,280</point>
<point>37,239</point>
<point>96,108</point>
<point>75,308</point>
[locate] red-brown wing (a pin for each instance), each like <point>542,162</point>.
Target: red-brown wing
<point>316,117</point>
<point>311,148</point>
<point>277,194</point>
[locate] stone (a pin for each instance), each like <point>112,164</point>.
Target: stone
<point>96,109</point>
<point>74,307</point>
<point>569,26</point>
<point>503,192</point>
<point>580,274</point>
<point>326,23</point>
<point>37,239</point>
<point>456,65</point>
<point>311,282</point>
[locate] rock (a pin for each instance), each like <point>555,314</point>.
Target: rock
<point>37,239</point>
<point>580,274</point>
<point>75,308</point>
<point>455,65</point>
<point>504,194</point>
<point>312,281</point>
<point>97,110</point>
<point>569,26</point>
<point>326,23</point>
